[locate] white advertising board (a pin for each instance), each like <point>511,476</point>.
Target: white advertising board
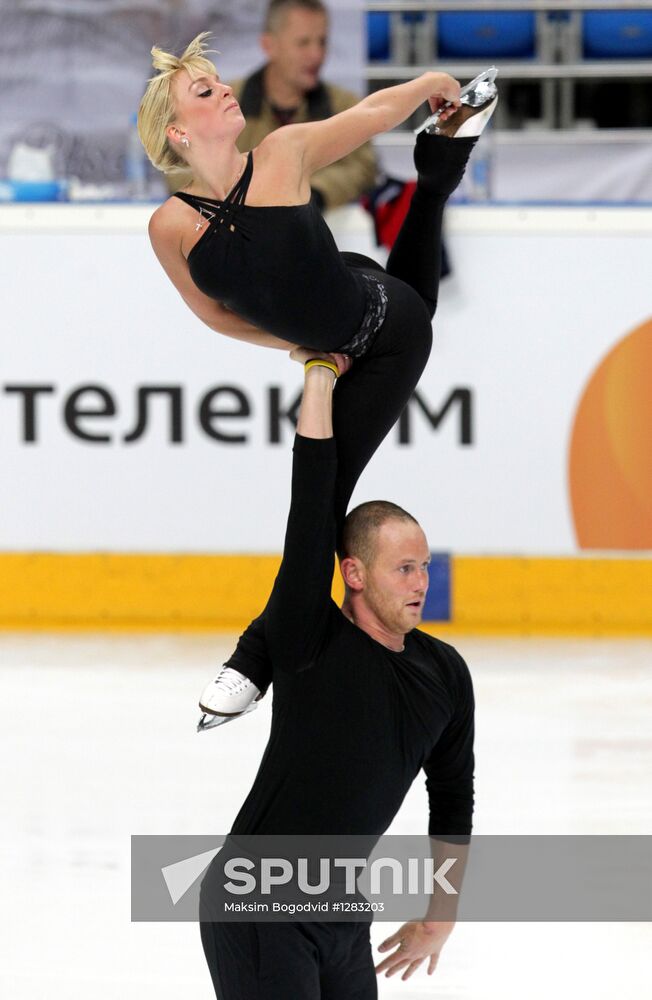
<point>538,298</point>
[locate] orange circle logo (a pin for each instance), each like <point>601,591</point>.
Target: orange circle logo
<point>610,460</point>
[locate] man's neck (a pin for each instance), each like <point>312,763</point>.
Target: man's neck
<point>278,91</point>
<point>366,620</point>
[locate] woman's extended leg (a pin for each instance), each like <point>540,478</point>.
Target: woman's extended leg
<point>416,254</point>
<point>374,386</point>
<point>370,398</point>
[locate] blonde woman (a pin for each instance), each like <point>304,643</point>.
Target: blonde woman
<point>254,260</point>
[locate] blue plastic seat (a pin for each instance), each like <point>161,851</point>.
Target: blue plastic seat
<point>488,34</point>
<point>613,34</point>
<point>413,16</point>
<point>377,35</point>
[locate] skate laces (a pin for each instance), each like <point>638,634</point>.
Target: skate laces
<point>232,681</point>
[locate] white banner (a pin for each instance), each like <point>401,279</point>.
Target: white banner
<point>73,73</point>
<point>537,300</point>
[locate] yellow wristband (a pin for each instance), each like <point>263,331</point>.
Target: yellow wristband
<point>322,364</point>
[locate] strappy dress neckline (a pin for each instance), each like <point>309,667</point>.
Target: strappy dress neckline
<point>231,205</point>
<point>237,192</point>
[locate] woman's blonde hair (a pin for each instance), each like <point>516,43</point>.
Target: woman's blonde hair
<point>157,109</point>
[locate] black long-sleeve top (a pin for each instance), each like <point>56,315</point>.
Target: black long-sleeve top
<point>353,722</point>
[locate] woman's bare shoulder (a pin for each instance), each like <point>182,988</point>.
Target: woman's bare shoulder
<point>165,222</point>
<point>284,144</point>
<point>278,166</point>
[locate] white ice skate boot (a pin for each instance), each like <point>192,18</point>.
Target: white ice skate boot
<point>227,697</point>
<point>479,99</point>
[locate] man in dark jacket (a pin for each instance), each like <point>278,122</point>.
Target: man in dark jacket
<point>287,90</point>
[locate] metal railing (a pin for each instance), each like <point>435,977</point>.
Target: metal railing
<point>557,64</point>
<point>517,71</point>
<point>469,6</point>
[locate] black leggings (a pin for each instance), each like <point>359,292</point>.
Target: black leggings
<point>290,961</point>
<point>369,399</point>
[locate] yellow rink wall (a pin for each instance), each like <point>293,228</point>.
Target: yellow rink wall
<point>593,596</point>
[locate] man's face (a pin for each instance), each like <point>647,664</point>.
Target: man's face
<point>297,47</point>
<point>396,582</point>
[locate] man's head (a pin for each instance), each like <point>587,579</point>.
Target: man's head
<point>294,39</point>
<point>384,560</point>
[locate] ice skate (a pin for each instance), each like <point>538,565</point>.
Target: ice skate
<point>226,698</point>
<point>478,98</point>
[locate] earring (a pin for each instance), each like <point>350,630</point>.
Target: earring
<point>185,141</point>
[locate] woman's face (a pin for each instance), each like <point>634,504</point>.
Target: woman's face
<point>206,108</point>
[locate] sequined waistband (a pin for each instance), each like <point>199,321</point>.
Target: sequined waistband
<point>372,320</point>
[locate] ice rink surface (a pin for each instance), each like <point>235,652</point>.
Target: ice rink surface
<point>99,743</point>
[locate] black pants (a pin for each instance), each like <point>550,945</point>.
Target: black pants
<point>290,961</point>
<point>368,401</point>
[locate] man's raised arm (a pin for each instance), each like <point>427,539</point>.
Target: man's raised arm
<point>298,611</point>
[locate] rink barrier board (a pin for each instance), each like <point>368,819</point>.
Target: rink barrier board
<point>484,595</point>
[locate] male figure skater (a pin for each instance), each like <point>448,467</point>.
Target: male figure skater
<point>362,701</point>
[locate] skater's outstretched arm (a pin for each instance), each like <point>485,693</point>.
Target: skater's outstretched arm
<point>325,142</point>
<point>299,608</point>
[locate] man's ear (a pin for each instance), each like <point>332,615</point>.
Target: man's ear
<point>353,573</point>
<point>267,44</point>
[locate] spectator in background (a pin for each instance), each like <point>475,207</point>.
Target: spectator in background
<point>287,89</point>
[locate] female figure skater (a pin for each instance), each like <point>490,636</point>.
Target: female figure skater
<point>254,259</point>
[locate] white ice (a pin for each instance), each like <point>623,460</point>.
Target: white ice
<point>99,742</point>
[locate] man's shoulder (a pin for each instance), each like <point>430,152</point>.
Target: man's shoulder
<point>340,98</point>
<point>450,664</point>
<point>442,651</point>
<point>434,642</point>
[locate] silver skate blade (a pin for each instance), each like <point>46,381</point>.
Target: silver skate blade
<point>209,721</point>
<point>487,77</point>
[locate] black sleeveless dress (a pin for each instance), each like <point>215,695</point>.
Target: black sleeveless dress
<point>278,267</point>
